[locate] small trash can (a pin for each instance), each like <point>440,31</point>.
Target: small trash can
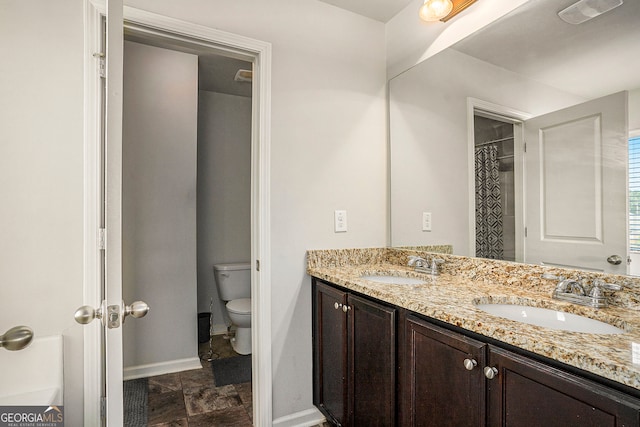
<point>204,320</point>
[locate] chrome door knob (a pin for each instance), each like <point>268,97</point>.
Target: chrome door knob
<point>614,259</point>
<point>16,338</point>
<point>86,314</point>
<point>469,364</point>
<point>490,372</point>
<point>137,309</point>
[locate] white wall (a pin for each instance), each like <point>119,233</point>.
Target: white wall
<point>41,177</point>
<point>410,40</point>
<point>224,191</point>
<point>160,104</point>
<point>429,146</point>
<point>328,151</point>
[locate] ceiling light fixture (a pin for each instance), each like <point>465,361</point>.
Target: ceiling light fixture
<point>434,10</point>
<point>585,10</point>
<point>442,10</point>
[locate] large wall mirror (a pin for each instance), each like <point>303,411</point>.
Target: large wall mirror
<point>515,141</point>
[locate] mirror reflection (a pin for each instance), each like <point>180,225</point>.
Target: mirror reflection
<point>568,94</point>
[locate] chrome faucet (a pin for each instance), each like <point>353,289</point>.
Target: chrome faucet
<point>419,262</point>
<point>424,266</point>
<point>573,290</point>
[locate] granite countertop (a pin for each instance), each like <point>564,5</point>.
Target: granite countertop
<point>452,297</point>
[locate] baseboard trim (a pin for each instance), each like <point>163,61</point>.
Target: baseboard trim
<point>307,418</point>
<point>219,329</point>
<point>160,368</point>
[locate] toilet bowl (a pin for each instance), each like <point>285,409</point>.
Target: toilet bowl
<point>234,288</point>
<point>239,311</point>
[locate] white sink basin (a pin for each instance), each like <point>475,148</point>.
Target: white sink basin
<point>551,319</point>
<point>394,280</point>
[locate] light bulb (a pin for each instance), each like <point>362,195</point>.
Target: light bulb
<point>433,10</point>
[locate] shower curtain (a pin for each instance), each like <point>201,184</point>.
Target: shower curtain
<point>489,238</point>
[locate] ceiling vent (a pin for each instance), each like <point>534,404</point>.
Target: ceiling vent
<point>585,10</point>
<point>243,76</point>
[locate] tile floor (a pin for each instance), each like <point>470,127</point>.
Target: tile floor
<point>191,399</point>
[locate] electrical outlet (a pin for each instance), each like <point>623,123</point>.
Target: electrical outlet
<point>340,224</point>
<point>426,221</point>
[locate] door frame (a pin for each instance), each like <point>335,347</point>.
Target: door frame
<point>515,117</point>
<point>259,53</point>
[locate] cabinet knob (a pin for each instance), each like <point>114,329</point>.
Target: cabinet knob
<point>490,372</point>
<point>346,308</point>
<point>337,305</point>
<point>469,364</point>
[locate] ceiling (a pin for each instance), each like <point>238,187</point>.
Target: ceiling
<point>216,74</point>
<point>598,57</point>
<point>379,10</point>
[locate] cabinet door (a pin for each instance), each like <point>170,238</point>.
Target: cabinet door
<point>526,393</point>
<point>438,389</point>
<point>330,354</point>
<point>372,358</point>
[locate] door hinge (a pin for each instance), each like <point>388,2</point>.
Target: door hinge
<point>103,407</point>
<point>102,68</point>
<point>525,232</point>
<point>257,265</point>
<point>102,238</point>
<point>524,147</point>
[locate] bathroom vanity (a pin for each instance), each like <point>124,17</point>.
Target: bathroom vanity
<point>424,354</point>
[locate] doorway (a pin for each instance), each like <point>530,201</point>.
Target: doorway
<point>186,206</point>
<point>180,33</point>
<point>495,234</point>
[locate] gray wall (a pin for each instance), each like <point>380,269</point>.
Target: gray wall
<point>224,191</point>
<point>159,203</point>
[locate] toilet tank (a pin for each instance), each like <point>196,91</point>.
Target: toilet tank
<point>233,280</point>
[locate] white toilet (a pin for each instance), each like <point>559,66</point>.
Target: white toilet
<point>234,287</point>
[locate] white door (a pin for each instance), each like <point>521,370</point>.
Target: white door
<point>113,209</point>
<point>577,210</point>
<point>112,310</point>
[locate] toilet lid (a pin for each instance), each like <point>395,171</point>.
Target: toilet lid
<point>240,306</point>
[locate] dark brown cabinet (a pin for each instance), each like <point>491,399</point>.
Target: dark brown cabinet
<point>445,376</point>
<point>354,358</point>
<point>526,392</point>
<point>442,380</point>
<point>451,379</point>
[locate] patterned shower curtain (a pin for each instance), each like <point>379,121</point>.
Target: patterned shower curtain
<point>489,239</point>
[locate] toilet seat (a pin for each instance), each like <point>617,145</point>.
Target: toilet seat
<point>240,306</point>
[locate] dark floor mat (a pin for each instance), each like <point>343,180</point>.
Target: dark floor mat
<point>232,370</point>
<point>136,401</point>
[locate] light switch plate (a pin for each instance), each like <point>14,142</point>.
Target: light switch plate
<point>426,221</point>
<point>340,223</point>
